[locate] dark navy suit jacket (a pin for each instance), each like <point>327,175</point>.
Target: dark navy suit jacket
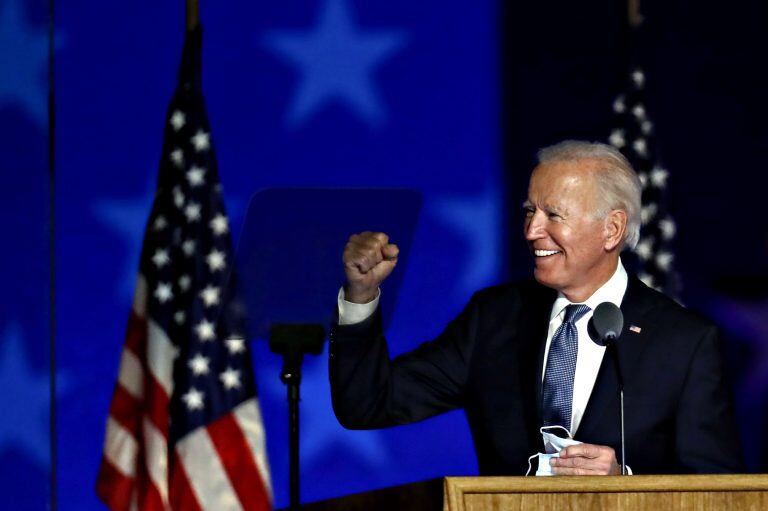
<point>678,407</point>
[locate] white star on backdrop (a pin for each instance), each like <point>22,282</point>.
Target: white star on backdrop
<point>126,217</point>
<point>337,61</point>
<point>476,219</point>
<point>23,49</point>
<point>25,400</point>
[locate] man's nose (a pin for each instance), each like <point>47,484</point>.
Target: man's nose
<point>533,226</point>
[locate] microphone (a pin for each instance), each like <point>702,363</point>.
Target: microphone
<point>607,322</point>
<point>605,328</point>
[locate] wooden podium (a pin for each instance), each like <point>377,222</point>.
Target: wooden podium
<point>636,493</point>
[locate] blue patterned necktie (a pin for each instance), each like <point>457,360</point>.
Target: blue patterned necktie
<point>557,394</point>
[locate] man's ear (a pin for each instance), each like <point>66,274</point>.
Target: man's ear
<point>615,227</point>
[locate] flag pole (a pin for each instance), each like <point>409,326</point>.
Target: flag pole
<point>193,15</point>
<point>634,16</point>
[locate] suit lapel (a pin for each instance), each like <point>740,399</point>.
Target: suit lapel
<point>534,325</point>
<point>630,346</point>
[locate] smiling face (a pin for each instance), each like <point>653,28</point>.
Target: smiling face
<point>575,252</point>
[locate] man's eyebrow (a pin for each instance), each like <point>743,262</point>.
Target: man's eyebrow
<point>527,204</point>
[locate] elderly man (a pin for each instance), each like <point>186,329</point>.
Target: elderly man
<point>520,356</point>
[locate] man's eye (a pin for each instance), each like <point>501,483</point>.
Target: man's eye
<point>528,211</point>
<point>552,214</point>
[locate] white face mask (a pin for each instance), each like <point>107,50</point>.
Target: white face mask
<point>553,444</point>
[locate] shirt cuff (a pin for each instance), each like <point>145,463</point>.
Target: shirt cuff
<point>351,313</point>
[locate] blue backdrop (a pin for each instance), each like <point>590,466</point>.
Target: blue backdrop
<point>448,98</point>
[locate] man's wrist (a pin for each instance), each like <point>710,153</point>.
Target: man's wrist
<point>351,313</point>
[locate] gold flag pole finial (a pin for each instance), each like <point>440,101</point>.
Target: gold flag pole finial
<point>634,15</point>
<point>193,14</point>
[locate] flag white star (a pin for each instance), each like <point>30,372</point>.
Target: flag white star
<point>647,279</point>
<point>659,177</point>
<point>177,157</point>
<point>180,317</point>
<point>193,399</point>
<point>204,330</point>
<point>196,176</point>
<point>638,77</point>
<point>646,127</point>
<point>215,260</point>
<point>643,177</point>
<point>185,281</point>
<point>640,146</point>
<point>667,228</point>
<point>199,364</point>
<point>178,197</point>
<point>178,119</point>
<point>647,213</point>
<point>638,111</point>
<point>210,295</point>
<point>219,224</point>
<point>188,247</point>
<point>618,104</point>
<point>235,345</point>
<point>163,292</point>
<point>644,249</point>
<point>664,260</point>
<point>192,212</point>
<point>160,223</point>
<point>160,258</point>
<point>617,138</point>
<point>201,141</point>
<point>230,378</point>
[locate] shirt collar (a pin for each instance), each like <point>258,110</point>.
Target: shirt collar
<point>612,291</point>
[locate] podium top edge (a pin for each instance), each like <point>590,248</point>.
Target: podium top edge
<point>590,484</point>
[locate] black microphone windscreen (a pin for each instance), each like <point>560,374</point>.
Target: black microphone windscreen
<point>607,322</point>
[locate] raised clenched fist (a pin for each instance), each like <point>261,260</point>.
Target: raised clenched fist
<point>368,258</point>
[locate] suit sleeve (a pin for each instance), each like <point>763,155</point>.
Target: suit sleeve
<point>706,437</point>
<point>369,390</point>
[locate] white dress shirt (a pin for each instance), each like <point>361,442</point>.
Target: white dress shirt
<point>589,357</point>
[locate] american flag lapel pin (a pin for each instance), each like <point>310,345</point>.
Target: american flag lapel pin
<point>635,328</point>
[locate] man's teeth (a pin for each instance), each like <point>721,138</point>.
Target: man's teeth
<point>544,253</point>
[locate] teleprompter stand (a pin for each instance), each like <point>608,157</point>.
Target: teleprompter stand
<point>292,342</point>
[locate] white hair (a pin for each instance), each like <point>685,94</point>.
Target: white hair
<point>617,183</point>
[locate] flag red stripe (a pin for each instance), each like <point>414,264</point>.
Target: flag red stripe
<point>136,335</point>
<point>126,410</point>
<point>181,495</point>
<point>234,452</point>
<point>149,498</point>
<point>113,487</point>
<point>157,404</point>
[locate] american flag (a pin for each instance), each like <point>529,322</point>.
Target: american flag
<point>633,136</point>
<point>184,428</point>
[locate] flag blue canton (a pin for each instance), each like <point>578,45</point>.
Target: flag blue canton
<point>187,263</point>
<point>633,136</point>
